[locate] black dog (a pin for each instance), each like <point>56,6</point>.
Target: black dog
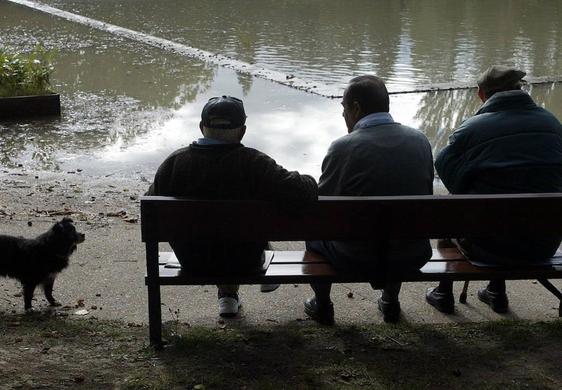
<point>39,260</point>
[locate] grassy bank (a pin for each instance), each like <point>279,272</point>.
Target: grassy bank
<point>24,74</point>
<point>48,351</point>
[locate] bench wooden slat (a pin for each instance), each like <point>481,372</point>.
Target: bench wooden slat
<point>463,270</point>
<point>359,218</point>
<point>295,273</point>
<point>440,254</point>
<point>303,267</point>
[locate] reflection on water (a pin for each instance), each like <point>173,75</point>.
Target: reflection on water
<point>89,122</point>
<point>439,113</point>
<point>409,42</point>
<point>89,60</point>
<point>127,106</point>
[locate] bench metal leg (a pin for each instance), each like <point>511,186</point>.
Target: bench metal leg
<point>154,315</point>
<point>552,288</point>
<point>464,293</point>
<point>153,284</point>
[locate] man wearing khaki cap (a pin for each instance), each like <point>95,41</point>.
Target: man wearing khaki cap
<point>511,145</point>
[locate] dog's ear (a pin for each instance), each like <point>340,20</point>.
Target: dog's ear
<point>66,220</point>
<point>58,227</point>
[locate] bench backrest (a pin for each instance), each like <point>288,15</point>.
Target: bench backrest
<point>519,215</point>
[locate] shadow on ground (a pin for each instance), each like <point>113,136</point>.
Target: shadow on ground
<point>47,351</point>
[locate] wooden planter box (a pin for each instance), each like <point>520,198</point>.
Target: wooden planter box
<point>18,107</point>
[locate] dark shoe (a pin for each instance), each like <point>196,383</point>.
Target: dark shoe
<point>323,314</point>
<point>390,310</point>
<point>265,288</point>
<point>444,302</point>
<point>496,300</point>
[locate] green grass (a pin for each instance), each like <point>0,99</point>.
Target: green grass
<point>25,74</point>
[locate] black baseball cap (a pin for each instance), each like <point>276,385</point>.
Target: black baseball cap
<point>224,112</point>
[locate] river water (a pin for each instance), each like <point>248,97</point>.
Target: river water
<point>127,104</point>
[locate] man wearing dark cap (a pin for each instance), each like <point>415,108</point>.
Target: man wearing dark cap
<point>378,156</point>
<point>218,166</point>
<point>511,145</point>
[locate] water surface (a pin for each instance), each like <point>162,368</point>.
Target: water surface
<point>127,105</point>
<point>409,42</point>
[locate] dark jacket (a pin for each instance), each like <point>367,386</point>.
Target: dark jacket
<point>381,160</point>
<point>229,171</point>
<point>511,145</point>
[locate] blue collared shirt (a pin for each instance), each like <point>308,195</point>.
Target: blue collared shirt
<point>212,141</point>
<point>376,118</point>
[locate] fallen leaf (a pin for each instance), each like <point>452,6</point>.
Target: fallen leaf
<point>119,213</point>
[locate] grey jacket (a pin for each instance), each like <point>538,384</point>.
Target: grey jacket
<point>380,160</point>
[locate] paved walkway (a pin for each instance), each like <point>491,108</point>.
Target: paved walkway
<point>107,271</point>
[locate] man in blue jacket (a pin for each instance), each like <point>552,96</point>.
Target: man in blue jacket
<point>511,145</point>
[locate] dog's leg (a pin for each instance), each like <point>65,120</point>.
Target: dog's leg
<point>28,290</point>
<point>48,289</point>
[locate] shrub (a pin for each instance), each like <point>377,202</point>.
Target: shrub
<point>25,74</point>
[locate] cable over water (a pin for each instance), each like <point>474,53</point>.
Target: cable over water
<point>185,50</point>
<point>288,80</point>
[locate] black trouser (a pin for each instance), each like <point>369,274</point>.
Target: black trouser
<point>322,290</point>
<point>480,255</point>
<point>221,258</point>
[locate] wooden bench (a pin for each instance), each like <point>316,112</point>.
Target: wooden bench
<point>167,219</point>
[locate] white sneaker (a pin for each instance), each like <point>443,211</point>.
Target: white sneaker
<point>229,307</point>
<point>265,288</point>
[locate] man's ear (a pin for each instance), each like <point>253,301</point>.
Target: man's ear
<point>201,127</point>
<point>482,95</point>
<point>356,110</point>
<point>242,132</point>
